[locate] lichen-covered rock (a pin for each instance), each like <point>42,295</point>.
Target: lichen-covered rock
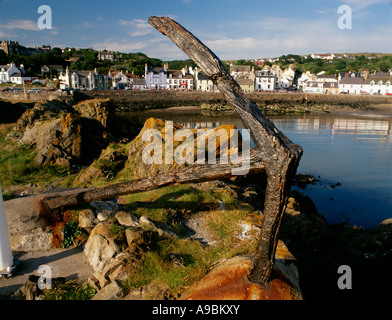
<point>43,111</point>
<point>161,228</point>
<point>98,109</point>
<point>177,152</point>
<point>228,281</point>
<point>66,141</point>
<point>87,219</point>
<point>127,219</point>
<point>110,162</point>
<point>113,291</point>
<point>102,245</point>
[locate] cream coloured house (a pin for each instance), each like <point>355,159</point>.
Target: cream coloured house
<point>203,83</point>
<point>84,80</point>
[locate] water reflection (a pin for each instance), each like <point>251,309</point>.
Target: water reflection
<point>356,151</point>
<point>338,125</point>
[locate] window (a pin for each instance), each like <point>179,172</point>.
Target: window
<point>388,83</point>
<point>372,83</point>
<point>379,83</point>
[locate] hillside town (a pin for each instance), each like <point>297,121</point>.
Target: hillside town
<point>263,75</point>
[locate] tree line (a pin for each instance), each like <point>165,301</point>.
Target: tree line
<point>87,59</point>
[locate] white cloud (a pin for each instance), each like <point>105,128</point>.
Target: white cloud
<point>21,24</point>
<point>161,48</point>
<point>139,27</point>
<point>273,23</point>
<point>363,4</point>
<point>298,37</point>
<point>122,46</point>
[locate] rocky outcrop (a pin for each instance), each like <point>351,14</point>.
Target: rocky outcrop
<point>109,163</point>
<point>69,140</point>
<point>102,245</point>
<point>43,111</point>
<point>11,112</point>
<point>67,134</point>
<point>98,109</point>
<point>227,281</point>
<point>129,158</point>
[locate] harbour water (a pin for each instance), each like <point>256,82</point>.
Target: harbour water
<point>351,156</point>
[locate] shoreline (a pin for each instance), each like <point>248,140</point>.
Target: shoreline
<point>376,111</point>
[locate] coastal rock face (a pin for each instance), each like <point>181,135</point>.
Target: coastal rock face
<point>67,134</point>
<point>227,281</point>
<point>66,141</point>
<point>98,109</point>
<point>43,111</point>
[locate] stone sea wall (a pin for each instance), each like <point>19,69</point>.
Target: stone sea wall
<point>143,100</point>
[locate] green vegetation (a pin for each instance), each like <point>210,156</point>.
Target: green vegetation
<point>71,231</point>
<point>179,64</point>
<point>82,59</point>
<point>178,263</point>
<point>331,67</point>
<point>87,59</point>
<point>70,290</point>
<point>18,165</point>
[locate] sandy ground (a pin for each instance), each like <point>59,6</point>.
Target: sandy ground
<point>68,263</point>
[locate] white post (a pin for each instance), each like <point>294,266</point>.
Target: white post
<point>6,258</point>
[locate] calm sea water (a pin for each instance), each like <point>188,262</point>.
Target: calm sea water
<point>350,155</point>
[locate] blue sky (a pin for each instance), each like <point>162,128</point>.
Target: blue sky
<point>233,29</point>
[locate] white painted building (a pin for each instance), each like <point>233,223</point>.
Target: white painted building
<point>379,83</point>
<point>180,79</point>
<point>84,80</point>
<point>329,56</point>
<point>203,83</point>
<point>353,85</point>
<point>11,73</point>
<point>306,78</point>
<point>156,78</point>
<point>265,80</point>
<point>287,78</point>
<point>313,87</point>
<point>139,84</point>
